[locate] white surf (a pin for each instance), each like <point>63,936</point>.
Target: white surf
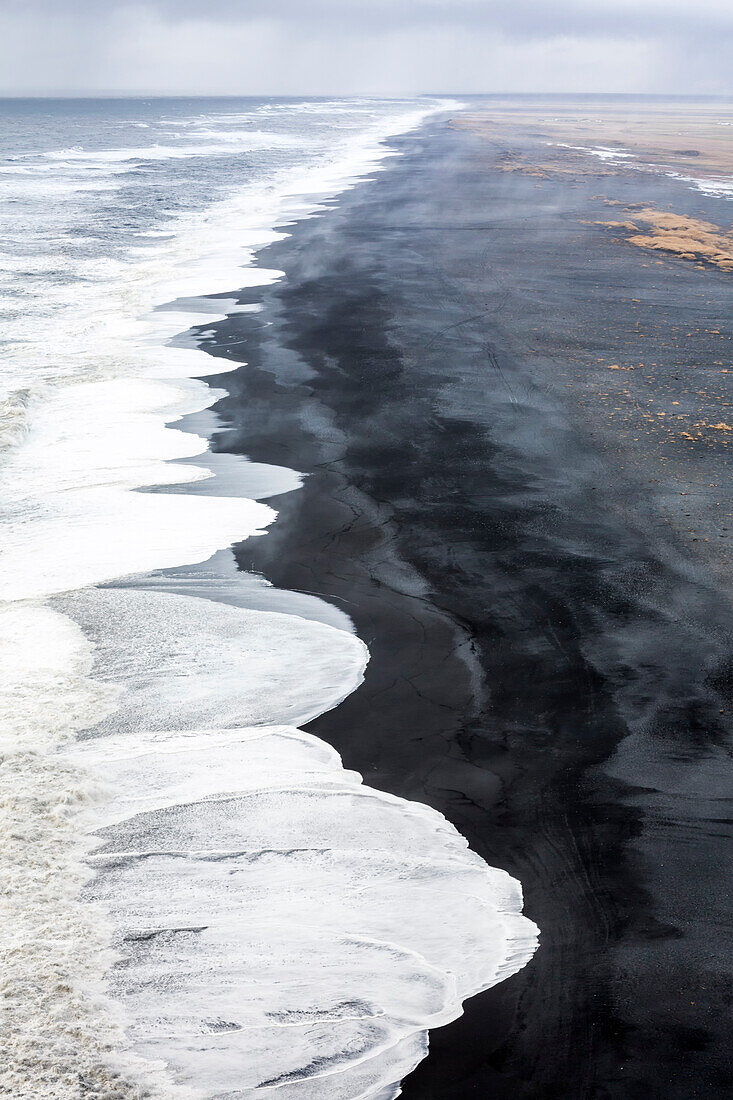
<point>201,901</point>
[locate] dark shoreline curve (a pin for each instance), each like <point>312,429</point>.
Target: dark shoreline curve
<point>551,665</point>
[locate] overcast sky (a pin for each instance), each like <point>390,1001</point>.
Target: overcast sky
<point>323,47</point>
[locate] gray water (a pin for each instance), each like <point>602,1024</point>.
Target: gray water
<point>199,899</point>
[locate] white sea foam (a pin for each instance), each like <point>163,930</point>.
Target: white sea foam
<point>275,923</point>
<point>602,152</point>
<point>223,143</point>
<point>60,1034</point>
<point>89,445</point>
<point>719,187</point>
<point>716,186</point>
<point>90,360</point>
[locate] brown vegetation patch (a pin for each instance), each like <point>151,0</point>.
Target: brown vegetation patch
<point>552,167</point>
<point>690,238</point>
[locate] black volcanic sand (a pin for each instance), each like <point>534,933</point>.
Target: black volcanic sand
<point>550,650</point>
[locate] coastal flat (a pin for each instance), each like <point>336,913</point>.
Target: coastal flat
<point>685,135</point>
<point>515,424</point>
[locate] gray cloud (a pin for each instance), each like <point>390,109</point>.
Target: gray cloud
<point>521,18</point>
<point>323,46</point>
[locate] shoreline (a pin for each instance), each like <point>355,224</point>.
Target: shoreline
<point>168,803</point>
<point>542,647</point>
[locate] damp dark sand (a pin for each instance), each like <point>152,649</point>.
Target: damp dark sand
<point>518,492</point>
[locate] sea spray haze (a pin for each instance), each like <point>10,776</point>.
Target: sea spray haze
<point>201,900</point>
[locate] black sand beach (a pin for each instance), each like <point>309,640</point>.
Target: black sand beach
<point>538,566</point>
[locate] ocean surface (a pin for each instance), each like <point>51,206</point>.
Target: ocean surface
<point>199,900</point>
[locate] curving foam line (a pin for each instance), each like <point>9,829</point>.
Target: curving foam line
<point>280,926</point>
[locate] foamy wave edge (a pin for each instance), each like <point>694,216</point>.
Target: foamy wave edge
<point>88,1028</point>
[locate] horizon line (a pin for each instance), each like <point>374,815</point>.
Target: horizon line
<point>99,94</point>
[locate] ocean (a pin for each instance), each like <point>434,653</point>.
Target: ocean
<point>200,900</point>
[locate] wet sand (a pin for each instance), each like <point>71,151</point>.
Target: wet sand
<point>690,136</point>
<point>479,381</point>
